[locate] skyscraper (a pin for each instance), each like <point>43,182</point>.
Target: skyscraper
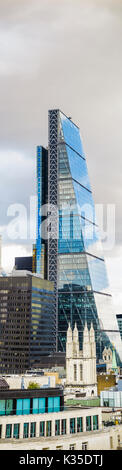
<point>42,200</point>
<point>27,323</point>
<point>75,259</point>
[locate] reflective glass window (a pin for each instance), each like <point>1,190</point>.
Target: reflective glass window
<point>95,422</point>
<point>42,428</point>
<point>16,431</point>
<point>35,405</point>
<point>57,427</point>
<point>8,431</point>
<point>2,407</point>
<point>33,430</point>
<point>79,424</point>
<point>72,425</point>
<point>88,423</point>
<point>42,404</point>
<point>26,406</point>
<point>26,430</point>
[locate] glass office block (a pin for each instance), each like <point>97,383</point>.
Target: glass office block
<point>78,268</point>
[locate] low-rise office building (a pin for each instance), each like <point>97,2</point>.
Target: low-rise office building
<point>40,415</point>
<point>38,420</point>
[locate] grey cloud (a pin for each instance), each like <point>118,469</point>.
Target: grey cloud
<point>64,54</point>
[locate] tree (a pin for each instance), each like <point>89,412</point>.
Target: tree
<point>33,385</point>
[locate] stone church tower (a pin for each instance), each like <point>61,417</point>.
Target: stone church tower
<point>81,365</point>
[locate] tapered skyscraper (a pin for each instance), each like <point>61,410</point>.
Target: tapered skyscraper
<point>75,260</point>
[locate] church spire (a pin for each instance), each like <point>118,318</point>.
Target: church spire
<point>86,342</point>
<point>75,340</point>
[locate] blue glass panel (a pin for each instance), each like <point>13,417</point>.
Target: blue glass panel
<point>9,407</point>
<point>50,404</point>
<point>35,405</point>
<point>2,407</point>
<point>19,406</point>
<point>98,274</point>
<point>42,405</point>
<point>71,134</point>
<point>56,403</point>
<point>85,202</point>
<point>26,406</point>
<point>78,168</point>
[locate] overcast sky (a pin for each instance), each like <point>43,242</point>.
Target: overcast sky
<point>61,54</point>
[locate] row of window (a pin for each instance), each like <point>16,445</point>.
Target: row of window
<point>27,406</point>
<point>45,428</point>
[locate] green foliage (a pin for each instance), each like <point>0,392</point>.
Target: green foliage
<point>33,385</point>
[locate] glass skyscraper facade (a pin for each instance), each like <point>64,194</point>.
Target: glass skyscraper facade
<point>42,200</point>
<point>75,259</point>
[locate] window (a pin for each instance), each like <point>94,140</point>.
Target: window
<point>33,430</point>
<point>0,431</point>
<point>72,446</point>
<point>6,407</point>
<point>72,425</point>
<point>42,402</point>
<point>57,427</point>
<point>79,424</point>
<point>88,423</point>
<point>111,442</point>
<point>8,431</point>
<point>63,426</point>
<point>48,428</point>
<point>75,372</point>
<point>9,407</point>
<point>35,408</point>
<point>95,422</point>
<point>81,372</point>
<point>23,406</point>
<point>2,407</point>
<point>53,404</point>
<point>84,445</point>
<point>26,430</point>
<point>16,431</point>
<point>26,406</point>
<point>105,402</point>
<point>42,428</point>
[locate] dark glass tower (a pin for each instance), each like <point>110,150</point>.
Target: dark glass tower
<point>42,200</point>
<point>75,260</point>
<point>27,322</point>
